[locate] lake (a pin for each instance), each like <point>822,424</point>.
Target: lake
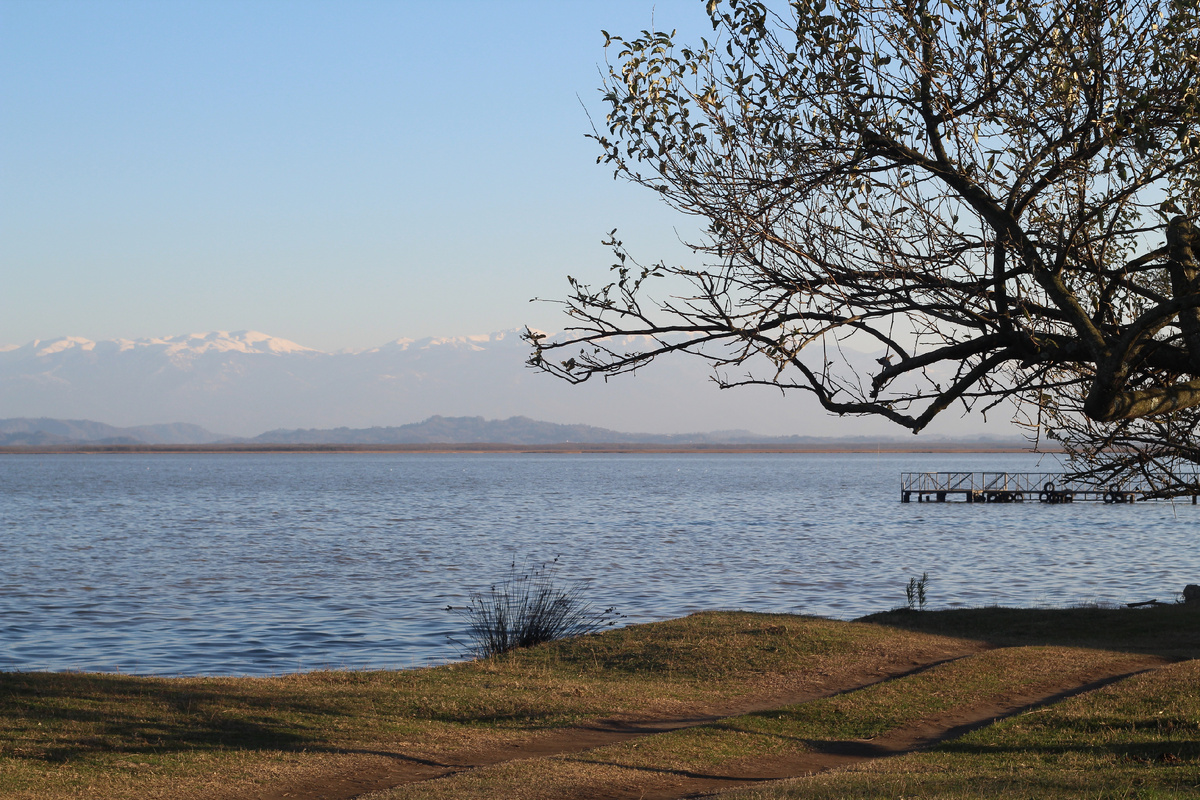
<point>257,564</point>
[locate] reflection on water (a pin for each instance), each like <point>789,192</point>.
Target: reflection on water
<point>260,564</point>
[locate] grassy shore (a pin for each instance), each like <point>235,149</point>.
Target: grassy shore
<point>733,696</point>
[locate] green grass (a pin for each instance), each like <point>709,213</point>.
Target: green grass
<point>1139,738</point>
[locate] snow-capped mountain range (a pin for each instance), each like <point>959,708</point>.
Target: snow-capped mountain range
<point>174,347</point>
<point>244,382</point>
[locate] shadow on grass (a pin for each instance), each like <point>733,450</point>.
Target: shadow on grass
<point>68,717</point>
<point>1182,751</point>
<point>672,772</point>
<point>1171,631</point>
<point>59,717</point>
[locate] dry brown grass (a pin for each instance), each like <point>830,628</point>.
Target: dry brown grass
<point>115,736</point>
<point>756,745</point>
<point>118,736</point>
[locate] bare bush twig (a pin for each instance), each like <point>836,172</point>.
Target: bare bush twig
<point>529,607</point>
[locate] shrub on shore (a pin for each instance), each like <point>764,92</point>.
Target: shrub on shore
<point>529,607</point>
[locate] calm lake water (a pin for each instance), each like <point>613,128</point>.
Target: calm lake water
<point>260,564</point>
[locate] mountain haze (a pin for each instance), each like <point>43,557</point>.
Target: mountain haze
<point>514,430</point>
<point>244,382</point>
<point>43,432</point>
<point>435,430</point>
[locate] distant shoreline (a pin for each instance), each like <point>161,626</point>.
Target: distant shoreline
<point>481,447</point>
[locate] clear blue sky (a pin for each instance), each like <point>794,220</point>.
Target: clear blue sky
<point>336,173</point>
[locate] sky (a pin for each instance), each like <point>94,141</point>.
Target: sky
<point>340,174</point>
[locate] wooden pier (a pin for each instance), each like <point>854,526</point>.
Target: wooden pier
<point>1012,487</point>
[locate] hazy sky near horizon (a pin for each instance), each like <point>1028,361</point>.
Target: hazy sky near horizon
<point>338,174</point>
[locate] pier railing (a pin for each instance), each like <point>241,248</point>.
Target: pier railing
<point>1013,487</point>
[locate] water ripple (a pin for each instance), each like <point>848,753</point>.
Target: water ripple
<point>263,564</point>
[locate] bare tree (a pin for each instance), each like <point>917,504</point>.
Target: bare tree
<point>997,195</point>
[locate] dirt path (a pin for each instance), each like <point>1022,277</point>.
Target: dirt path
<point>389,769</point>
<point>925,733</point>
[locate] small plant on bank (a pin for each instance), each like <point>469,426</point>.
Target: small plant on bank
<point>529,607</point>
<point>915,592</point>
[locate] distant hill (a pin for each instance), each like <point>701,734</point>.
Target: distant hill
<point>448,430</point>
<point>24,432</point>
<point>526,431</point>
<point>43,432</point>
